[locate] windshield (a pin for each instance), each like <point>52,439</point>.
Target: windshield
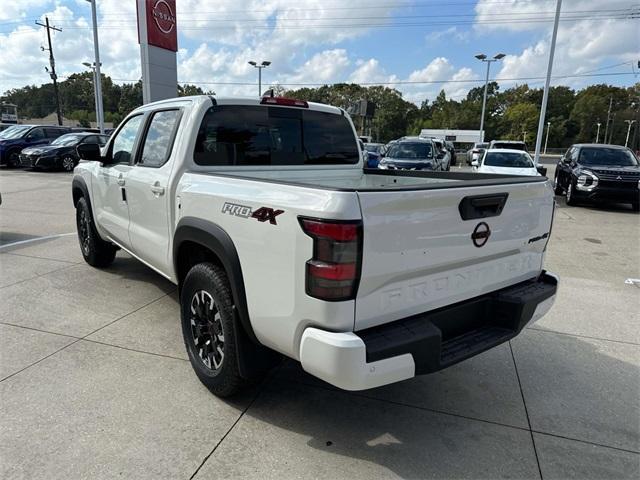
<point>508,159</point>
<point>14,132</point>
<point>410,150</point>
<point>67,140</point>
<point>372,147</point>
<point>247,135</point>
<point>607,156</point>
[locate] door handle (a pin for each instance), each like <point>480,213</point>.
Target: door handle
<point>120,180</point>
<point>157,189</point>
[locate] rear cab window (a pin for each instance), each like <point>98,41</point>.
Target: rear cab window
<point>234,135</point>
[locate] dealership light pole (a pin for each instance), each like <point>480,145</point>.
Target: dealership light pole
<point>264,64</point>
<point>95,93</point>
<point>598,133</point>
<point>546,140</point>
<point>629,122</point>
<point>482,57</point>
<point>545,96</point>
<point>98,76</point>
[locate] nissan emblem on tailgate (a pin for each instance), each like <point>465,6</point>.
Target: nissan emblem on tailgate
<point>481,234</point>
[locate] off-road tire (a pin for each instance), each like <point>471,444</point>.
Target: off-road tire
<point>96,252</point>
<point>224,379</point>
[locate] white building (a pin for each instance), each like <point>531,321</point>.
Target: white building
<point>458,137</point>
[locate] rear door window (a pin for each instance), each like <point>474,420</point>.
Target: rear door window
<point>262,135</point>
<point>159,138</point>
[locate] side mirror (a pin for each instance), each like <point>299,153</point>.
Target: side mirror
<point>542,170</point>
<point>88,151</point>
<point>474,163</point>
<point>566,159</point>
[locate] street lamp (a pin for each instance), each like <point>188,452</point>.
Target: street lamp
<point>546,140</point>
<point>483,58</point>
<point>98,82</point>
<point>630,122</point>
<point>95,92</point>
<point>598,133</point>
<point>260,67</point>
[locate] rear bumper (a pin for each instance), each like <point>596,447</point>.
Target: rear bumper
<point>425,343</point>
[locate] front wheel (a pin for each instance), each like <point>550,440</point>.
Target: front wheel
<point>570,196</point>
<point>635,206</point>
<point>68,163</point>
<point>96,252</point>
<point>557,189</point>
<point>206,308</point>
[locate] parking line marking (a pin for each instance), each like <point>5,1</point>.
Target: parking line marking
<point>37,239</point>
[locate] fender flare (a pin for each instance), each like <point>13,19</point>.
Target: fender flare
<point>216,239</point>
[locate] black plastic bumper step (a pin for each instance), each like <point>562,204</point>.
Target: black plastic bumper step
<point>471,343</point>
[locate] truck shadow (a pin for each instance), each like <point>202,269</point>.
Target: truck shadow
<point>566,382</point>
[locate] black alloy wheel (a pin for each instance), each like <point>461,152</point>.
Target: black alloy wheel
<point>207,331</point>
<point>84,232</point>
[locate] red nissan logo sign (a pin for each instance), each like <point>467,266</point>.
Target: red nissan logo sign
<point>163,16</point>
<point>162,28</point>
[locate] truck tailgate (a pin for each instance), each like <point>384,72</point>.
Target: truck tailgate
<point>419,253</point>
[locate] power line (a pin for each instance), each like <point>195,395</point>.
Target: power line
<point>398,82</point>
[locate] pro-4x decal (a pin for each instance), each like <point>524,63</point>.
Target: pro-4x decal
<point>263,214</point>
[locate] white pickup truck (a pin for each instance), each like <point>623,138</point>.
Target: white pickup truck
<point>282,244</point>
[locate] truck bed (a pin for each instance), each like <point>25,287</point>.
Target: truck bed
<point>352,180</point>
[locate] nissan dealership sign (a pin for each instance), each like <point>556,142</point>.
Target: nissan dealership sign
<point>161,24</point>
<point>158,38</point>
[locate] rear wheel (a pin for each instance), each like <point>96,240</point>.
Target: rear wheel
<point>206,307</point>
<point>13,159</point>
<point>96,252</point>
<point>635,206</point>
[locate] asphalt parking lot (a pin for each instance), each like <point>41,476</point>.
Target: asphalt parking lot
<point>95,382</point>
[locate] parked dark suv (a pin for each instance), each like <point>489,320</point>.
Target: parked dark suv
<point>14,139</point>
<point>596,172</point>
<point>61,153</point>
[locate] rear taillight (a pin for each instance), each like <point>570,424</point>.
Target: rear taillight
<point>333,273</point>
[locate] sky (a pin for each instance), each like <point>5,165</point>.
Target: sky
<point>416,46</point>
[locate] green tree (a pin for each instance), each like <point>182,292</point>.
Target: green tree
<point>521,118</point>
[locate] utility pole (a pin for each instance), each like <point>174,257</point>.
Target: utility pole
<point>606,128</point>
<point>613,121</point>
<point>52,63</point>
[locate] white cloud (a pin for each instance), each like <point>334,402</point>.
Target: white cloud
<point>326,66</point>
<point>584,43</point>
<point>451,33</point>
